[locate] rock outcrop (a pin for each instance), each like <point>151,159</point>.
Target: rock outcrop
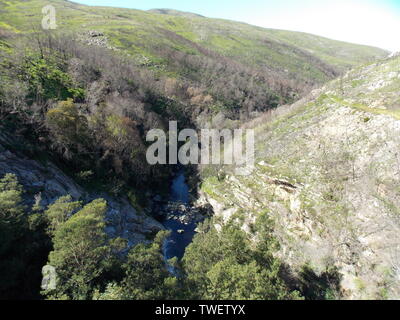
<point>328,173</point>
<point>44,183</point>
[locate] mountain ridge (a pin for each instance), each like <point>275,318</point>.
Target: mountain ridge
<point>175,12</point>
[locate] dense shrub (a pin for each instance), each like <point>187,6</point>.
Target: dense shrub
<point>226,265</point>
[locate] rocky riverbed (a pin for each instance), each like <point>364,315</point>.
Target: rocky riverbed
<point>180,217</point>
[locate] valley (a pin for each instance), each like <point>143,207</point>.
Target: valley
<point>316,217</point>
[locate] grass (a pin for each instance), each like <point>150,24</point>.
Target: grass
<point>359,106</point>
<point>137,32</point>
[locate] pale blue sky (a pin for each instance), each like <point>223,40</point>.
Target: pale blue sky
<point>373,22</point>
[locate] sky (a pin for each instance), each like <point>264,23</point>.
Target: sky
<point>371,22</point>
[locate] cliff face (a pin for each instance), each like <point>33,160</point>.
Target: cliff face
<point>328,170</point>
<point>45,183</point>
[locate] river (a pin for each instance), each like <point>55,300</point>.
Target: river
<point>182,230</point>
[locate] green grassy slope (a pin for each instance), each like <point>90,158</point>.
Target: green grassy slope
<point>338,53</point>
<point>310,58</point>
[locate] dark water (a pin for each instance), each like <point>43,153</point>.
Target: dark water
<point>176,244</point>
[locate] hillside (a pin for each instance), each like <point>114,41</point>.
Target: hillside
<point>176,13</point>
<point>317,219</point>
<point>197,49</point>
<point>327,172</point>
<point>254,45</point>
